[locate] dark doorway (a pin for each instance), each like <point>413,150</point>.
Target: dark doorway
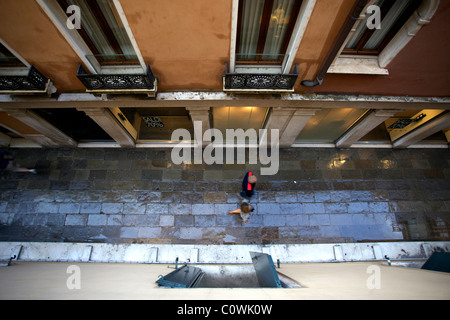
<point>76,124</point>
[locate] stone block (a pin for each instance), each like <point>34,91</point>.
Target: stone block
<point>166,220</point>
<point>297,220</point>
<point>184,221</point>
<point>180,208</point>
<point>313,208</point>
<point>285,197</point>
<point>134,208</point>
<point>76,220</point>
<point>291,208</point>
<point>274,220</point>
<point>42,207</point>
<point>114,220</point>
<point>205,221</point>
<point>157,208</point>
<point>269,208</point>
<point>319,219</point>
<point>69,208</point>
<point>148,196</point>
<point>97,220</point>
<point>335,207</point>
<point>215,197</point>
<point>341,219</point>
<point>112,207</point>
<point>358,207</point>
<point>191,233</point>
<point>91,207</point>
<point>149,232</point>
<point>305,196</point>
<point>203,209</point>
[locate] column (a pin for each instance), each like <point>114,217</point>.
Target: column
<point>373,119</point>
<point>290,122</point>
<point>52,137</point>
<point>201,114</point>
<point>295,125</point>
<point>108,122</point>
<point>439,123</point>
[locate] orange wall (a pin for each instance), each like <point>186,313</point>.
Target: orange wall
<point>186,42</point>
<point>28,30</point>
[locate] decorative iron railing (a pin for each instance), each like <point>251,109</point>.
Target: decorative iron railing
<point>120,82</point>
<point>259,81</point>
<point>33,81</point>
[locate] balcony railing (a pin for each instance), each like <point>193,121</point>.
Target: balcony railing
<point>119,83</point>
<point>32,82</point>
<point>259,82</point>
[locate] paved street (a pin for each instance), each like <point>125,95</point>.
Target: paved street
<point>140,196</point>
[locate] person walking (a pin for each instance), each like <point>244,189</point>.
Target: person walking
<point>248,185</point>
<point>7,163</point>
<point>245,211</point>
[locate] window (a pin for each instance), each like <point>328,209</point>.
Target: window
<point>327,125</point>
<point>103,32</point>
<point>394,14</point>
<point>264,30</point>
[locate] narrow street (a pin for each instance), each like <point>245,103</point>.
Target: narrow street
<point>140,196</point>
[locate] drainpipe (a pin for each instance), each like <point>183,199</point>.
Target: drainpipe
<point>342,36</point>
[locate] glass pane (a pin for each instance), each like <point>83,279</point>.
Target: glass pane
<point>90,24</point>
<point>250,26</point>
<point>378,135</point>
<point>387,23</point>
<point>115,23</point>
<point>357,35</point>
<point>360,30</point>
<point>328,125</point>
<point>279,22</point>
<point>238,117</point>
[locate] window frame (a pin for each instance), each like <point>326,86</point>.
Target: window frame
<point>14,70</point>
<point>263,31</point>
<point>377,65</point>
<point>294,43</point>
<point>106,28</point>
<point>59,18</point>
<point>16,63</point>
<point>399,23</point>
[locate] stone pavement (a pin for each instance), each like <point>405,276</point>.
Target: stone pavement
<point>139,196</point>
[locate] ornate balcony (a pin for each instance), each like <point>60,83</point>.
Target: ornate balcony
<point>259,82</point>
<point>119,83</point>
<point>33,82</point>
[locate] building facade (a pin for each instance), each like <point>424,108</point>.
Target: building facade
<point>127,73</point>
